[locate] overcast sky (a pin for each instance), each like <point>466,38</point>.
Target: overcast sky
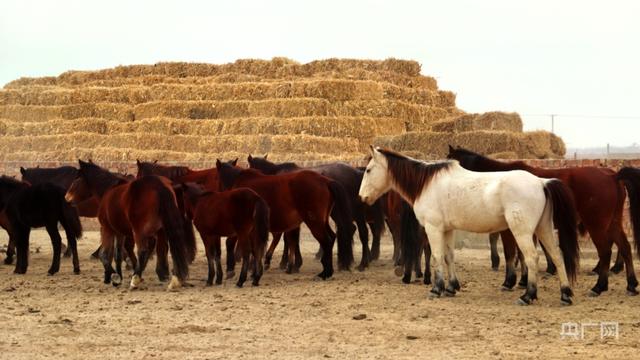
<point>578,58</point>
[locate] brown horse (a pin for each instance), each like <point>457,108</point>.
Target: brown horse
<point>296,198</point>
<point>599,199</point>
<point>238,213</point>
<point>145,210</point>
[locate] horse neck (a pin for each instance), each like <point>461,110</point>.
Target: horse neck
<point>230,175</point>
<point>412,177</point>
<point>483,164</point>
<point>100,182</point>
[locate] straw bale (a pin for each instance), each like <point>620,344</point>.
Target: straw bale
<point>504,155</point>
<point>528,145</point>
<point>43,113</point>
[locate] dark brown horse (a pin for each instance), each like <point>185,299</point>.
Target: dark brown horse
<point>599,198</point>
<point>27,206</point>
<point>238,213</point>
<point>145,210</point>
<point>296,198</point>
<point>350,179</point>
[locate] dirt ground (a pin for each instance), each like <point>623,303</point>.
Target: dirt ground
<point>298,316</point>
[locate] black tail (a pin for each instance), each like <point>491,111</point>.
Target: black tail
<point>261,220</point>
<point>70,219</point>
<point>409,228</point>
<point>173,225</point>
<point>344,219</point>
<point>188,225</point>
<point>630,177</point>
<point>565,220</point>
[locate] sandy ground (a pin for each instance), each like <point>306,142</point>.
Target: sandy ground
<point>297,316</point>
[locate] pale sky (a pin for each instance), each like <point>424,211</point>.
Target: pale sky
<point>579,58</point>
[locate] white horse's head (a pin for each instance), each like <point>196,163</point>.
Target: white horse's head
<point>376,180</point>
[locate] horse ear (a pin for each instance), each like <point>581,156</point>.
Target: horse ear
<point>234,162</point>
<point>249,158</point>
<point>265,156</point>
<point>22,170</point>
<point>155,161</point>
<point>451,149</point>
<point>218,163</point>
<point>138,162</point>
<point>81,163</point>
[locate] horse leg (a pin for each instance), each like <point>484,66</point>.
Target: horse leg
<point>524,270</point>
<point>217,247</point>
<point>131,259</point>
<point>510,249</point>
<point>242,249</point>
<point>106,253</point>
<point>73,246</point>
<point>495,258</point>
<point>377,227</point>
<point>20,237</point>
<point>257,250</point>
<point>454,284</point>
<point>397,245</point>
<point>530,254</point>
<point>551,267</point>
<point>427,260</point>
<point>11,249</point>
<point>603,245</point>
<point>162,264</point>
<point>618,266</point>
<point>144,244</point>
<point>624,251</point>
<point>272,248</point>
<point>438,247</point>
<point>56,241</point>
<point>292,245</point>
<point>361,222</point>
<point>319,231</point>
<point>116,278</point>
<point>96,254</point>
<point>231,244</point>
<point>545,235</point>
<point>418,266</point>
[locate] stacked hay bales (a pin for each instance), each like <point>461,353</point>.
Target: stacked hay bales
<point>187,112</point>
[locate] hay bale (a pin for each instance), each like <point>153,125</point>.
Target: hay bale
<point>504,155</point>
<point>495,121</point>
<point>44,113</point>
<point>528,145</point>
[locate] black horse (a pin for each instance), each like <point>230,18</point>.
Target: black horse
<point>350,179</point>
<point>29,206</point>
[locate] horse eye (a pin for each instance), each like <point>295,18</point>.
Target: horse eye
<point>368,170</point>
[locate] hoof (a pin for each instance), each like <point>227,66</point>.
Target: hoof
<point>135,282</point>
<point>267,266</point>
<point>255,283</point>
<point>361,267</point>
<point>231,274</point>
<point>433,295</point>
<point>520,286</point>
<point>522,302</point>
<point>593,293</point>
<point>449,293</point>
<point>76,271</point>
<point>239,284</point>
<point>8,261</point>
<point>20,272</point>
<point>566,301</point>
<point>174,284</point>
<point>632,292</point>
<point>116,279</point>
<point>399,271</point>
<point>282,266</point>
<point>495,268</point>
<point>592,273</point>
<point>51,272</point>
<point>506,288</point>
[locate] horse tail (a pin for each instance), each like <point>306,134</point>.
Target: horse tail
<point>630,177</point>
<point>261,221</point>
<point>190,236</point>
<point>344,219</point>
<point>409,228</point>
<point>565,220</point>
<point>173,225</point>
<point>70,218</point>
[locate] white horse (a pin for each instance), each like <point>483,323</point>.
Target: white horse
<point>446,196</point>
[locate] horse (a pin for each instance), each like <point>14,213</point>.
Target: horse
<point>144,210</point>
<point>296,198</point>
<point>29,206</point>
<point>62,176</point>
<point>599,198</point>
<point>350,179</point>
<point>445,196</point>
<point>239,213</point>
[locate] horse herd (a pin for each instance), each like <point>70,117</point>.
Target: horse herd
<point>421,203</point>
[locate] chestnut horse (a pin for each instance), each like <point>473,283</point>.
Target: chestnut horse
<point>27,206</point>
<point>238,213</point>
<point>350,179</point>
<point>296,198</point>
<point>145,210</point>
<point>599,198</point>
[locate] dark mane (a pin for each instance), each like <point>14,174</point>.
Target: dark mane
<point>409,175</point>
<point>477,162</point>
<point>270,168</point>
<point>98,179</point>
<point>168,171</point>
<point>8,187</point>
<point>62,176</point>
